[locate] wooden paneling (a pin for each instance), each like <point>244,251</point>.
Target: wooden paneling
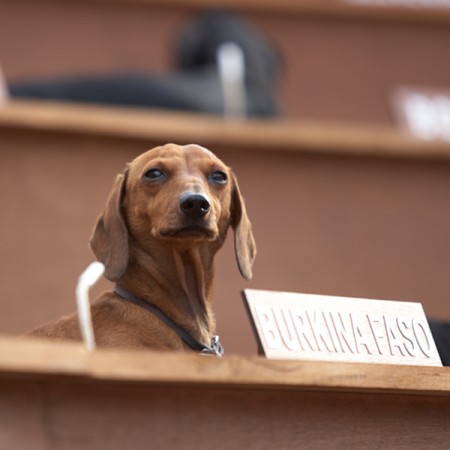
<point>73,415</point>
<point>58,396</point>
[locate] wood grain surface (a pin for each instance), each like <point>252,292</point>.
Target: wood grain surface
<point>39,357</point>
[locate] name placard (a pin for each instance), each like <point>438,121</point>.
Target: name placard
<point>424,113</point>
<point>327,328</point>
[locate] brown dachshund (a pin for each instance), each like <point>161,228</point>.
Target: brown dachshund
<point>165,219</point>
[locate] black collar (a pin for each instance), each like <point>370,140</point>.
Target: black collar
<point>214,349</point>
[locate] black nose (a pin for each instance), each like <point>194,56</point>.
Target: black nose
<point>194,206</point>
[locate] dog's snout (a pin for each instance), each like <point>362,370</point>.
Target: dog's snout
<point>194,206</point>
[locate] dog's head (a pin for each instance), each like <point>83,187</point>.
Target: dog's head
<point>180,195</point>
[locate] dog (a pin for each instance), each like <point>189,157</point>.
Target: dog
<point>165,219</point>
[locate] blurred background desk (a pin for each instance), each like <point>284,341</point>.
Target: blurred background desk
<point>341,59</point>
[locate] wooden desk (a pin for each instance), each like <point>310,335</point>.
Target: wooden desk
<point>60,396</point>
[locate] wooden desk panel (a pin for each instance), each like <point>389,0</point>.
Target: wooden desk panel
<point>73,416</point>
<point>59,396</point>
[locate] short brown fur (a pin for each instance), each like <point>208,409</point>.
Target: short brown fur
<point>149,246</point>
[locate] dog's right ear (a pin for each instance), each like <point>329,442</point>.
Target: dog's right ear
<point>109,240</point>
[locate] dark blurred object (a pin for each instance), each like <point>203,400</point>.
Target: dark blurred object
<point>195,85</point>
<point>441,335</point>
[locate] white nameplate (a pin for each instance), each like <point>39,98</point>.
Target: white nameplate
<point>423,113</point>
<point>325,328</point>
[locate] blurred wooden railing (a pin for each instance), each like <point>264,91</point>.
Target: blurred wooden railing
<point>279,134</point>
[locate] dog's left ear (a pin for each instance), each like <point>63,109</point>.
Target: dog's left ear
<point>244,242</point>
<point>109,240</point>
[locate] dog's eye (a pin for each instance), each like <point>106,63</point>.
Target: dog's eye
<point>154,175</point>
<point>218,177</point>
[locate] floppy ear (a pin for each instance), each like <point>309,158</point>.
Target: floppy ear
<point>109,240</point>
<point>244,243</point>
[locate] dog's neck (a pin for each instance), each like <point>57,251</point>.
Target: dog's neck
<point>183,275</point>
